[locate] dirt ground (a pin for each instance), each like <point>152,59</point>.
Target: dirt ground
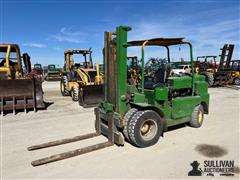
<point>169,158</point>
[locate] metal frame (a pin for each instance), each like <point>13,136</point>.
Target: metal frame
<point>165,42</point>
<point>78,51</point>
<point>6,68</point>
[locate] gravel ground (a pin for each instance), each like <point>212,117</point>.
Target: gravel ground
<point>169,158</point>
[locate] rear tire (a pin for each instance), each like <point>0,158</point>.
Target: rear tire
<point>197,117</point>
<point>209,78</point>
<point>127,118</point>
<point>145,128</point>
<point>237,81</point>
<point>63,86</point>
<point>75,93</point>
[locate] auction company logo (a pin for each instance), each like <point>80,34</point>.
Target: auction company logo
<point>212,168</point>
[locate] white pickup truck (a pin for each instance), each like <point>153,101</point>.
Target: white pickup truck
<point>186,68</point>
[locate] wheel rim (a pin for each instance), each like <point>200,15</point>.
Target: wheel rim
<point>200,117</point>
<point>148,129</point>
<point>237,81</point>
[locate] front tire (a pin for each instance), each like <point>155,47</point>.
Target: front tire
<point>63,86</point>
<point>75,93</point>
<point>145,128</point>
<point>209,78</point>
<point>127,118</point>
<point>197,117</point>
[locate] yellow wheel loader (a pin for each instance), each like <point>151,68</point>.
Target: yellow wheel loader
<point>80,80</point>
<point>133,70</point>
<point>235,75</point>
<point>20,88</point>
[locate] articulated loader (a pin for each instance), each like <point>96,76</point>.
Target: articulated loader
<point>140,114</point>
<point>19,89</point>
<point>80,80</point>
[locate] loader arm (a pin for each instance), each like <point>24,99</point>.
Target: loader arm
<point>83,76</point>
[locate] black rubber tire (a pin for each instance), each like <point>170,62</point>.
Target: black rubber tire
<point>195,121</point>
<point>75,93</point>
<point>209,78</point>
<point>81,97</point>
<point>63,86</point>
<point>134,128</point>
<point>127,117</point>
<point>237,81</point>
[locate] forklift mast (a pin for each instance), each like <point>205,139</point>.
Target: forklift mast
<point>115,60</point>
<point>225,57</point>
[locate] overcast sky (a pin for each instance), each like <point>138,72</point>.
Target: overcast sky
<point>46,28</point>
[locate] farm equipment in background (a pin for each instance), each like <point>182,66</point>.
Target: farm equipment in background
<point>133,70</point>
<point>80,80</point>
<point>38,71</point>
<point>101,68</point>
<point>45,70</point>
<point>138,113</point>
<point>18,89</point>
<point>53,73</point>
<point>206,66</point>
<point>217,74</point>
<point>152,65</point>
<point>235,72</point>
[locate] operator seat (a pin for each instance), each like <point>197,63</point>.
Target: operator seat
<point>159,79</point>
<point>2,62</point>
<point>77,65</point>
<point>162,75</point>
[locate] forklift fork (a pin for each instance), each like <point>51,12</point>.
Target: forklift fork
<point>76,152</point>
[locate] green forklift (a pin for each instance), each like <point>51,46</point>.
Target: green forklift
<point>140,113</point>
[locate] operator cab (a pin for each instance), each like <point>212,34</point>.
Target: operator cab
<point>159,73</point>
<point>156,73</point>
<point>37,66</point>
<point>10,61</point>
<point>51,67</point>
<point>79,58</point>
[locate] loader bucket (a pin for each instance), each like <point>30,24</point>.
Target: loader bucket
<point>21,94</point>
<point>90,95</point>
